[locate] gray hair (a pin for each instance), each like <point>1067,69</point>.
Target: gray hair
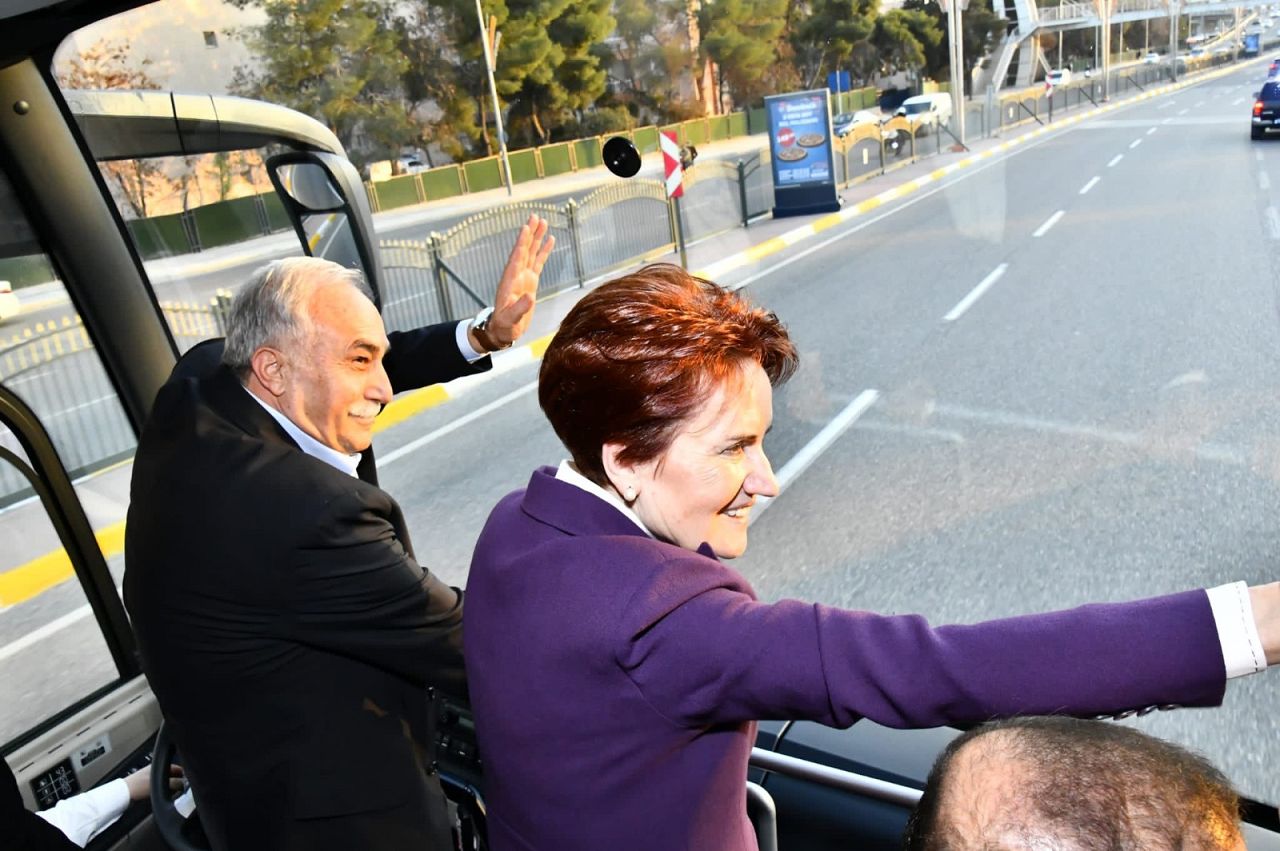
<point>270,310</point>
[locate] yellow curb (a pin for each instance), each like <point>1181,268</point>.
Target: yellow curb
<point>44,572</point>
<point>410,405</point>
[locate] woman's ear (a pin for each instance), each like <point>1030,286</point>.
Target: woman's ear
<point>623,475</point>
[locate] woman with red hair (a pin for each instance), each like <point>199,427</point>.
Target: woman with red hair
<point>616,666</point>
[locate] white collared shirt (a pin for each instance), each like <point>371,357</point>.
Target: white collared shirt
<point>568,474</point>
<point>1242,652</point>
<point>308,444</point>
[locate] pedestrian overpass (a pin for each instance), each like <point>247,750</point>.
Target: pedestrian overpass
<point>1017,56</point>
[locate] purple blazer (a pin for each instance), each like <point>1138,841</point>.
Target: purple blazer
<point>615,679</point>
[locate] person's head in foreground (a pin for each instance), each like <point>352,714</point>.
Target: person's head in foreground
<point>1061,784</point>
<point>660,385</point>
<point>305,337</point>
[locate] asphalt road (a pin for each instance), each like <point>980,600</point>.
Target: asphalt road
<point>1099,425</point>
<point>1070,356</point>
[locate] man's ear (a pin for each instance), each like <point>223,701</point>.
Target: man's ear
<point>268,367</point>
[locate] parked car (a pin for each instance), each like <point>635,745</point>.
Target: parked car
<point>846,122</point>
<point>9,305</point>
<point>1266,110</point>
<point>924,111</point>
<point>1151,58</point>
<point>1058,77</point>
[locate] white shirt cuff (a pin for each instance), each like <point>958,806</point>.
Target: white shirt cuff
<point>82,817</point>
<point>464,343</point>
<point>1242,652</point>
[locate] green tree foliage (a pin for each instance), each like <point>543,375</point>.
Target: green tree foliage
<point>339,61</point>
<point>826,34</point>
<point>549,69</point>
<point>655,61</point>
<point>982,30</point>
<point>902,36</point>
<point>442,94</point>
<point>743,37</point>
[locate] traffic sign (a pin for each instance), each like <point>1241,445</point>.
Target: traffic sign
<point>671,163</point>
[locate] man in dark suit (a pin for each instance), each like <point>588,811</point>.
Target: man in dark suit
<point>284,623</point>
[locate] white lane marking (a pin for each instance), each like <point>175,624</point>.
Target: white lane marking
<point>815,447</point>
<point>37,635</point>
<point>1257,155</point>
<point>1183,111</point>
<point>1238,101</point>
<point>976,293</point>
<point>1115,160</point>
<point>1092,183</point>
<point>1166,104</point>
<point>1273,222</point>
<point>1200,104</point>
<point>1135,143</point>
<point>1166,121</point>
<point>1206,451</point>
<point>415,445</point>
<point>1152,130</point>
<point>800,255</point>
<point>1264,182</point>
<point>1050,222</point>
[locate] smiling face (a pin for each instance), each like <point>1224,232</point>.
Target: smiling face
<point>703,487</point>
<point>333,382</point>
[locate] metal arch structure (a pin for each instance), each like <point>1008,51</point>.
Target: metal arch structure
<point>1026,20</point>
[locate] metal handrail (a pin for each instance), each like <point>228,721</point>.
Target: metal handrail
<point>836,778</point>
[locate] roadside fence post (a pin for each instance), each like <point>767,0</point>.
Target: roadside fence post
<point>190,231</point>
<point>221,304</point>
<point>434,249</point>
<point>571,213</point>
<point>742,190</point>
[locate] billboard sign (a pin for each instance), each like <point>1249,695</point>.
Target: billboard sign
<point>801,152</point>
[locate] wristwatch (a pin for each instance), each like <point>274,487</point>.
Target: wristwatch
<point>480,325</point>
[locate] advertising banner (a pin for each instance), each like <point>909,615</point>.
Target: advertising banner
<point>801,153</point>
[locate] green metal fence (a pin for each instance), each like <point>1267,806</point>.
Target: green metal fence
<point>483,174</point>
<point>403,191</point>
<point>587,153</point>
<point>556,159</point>
<point>524,165</point>
<point>443,182</point>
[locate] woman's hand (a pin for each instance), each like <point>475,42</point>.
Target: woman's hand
<point>1265,600</point>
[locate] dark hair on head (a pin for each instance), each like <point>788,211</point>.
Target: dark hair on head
<point>637,356</point>
<point>1082,785</point>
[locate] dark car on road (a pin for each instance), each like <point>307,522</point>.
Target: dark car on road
<point>1266,110</point>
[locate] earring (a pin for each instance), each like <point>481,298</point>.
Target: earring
<point>630,494</point>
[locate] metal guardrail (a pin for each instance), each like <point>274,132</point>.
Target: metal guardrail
<point>835,778</point>
<point>451,275</point>
<point>53,366</point>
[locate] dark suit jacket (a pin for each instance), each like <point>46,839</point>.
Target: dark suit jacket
<point>615,679</point>
<point>21,830</point>
<point>284,625</point>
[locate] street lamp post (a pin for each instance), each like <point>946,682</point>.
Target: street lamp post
<point>1173,41</point>
<point>493,91</point>
<point>954,9</point>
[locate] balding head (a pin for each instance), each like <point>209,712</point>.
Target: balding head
<point>1059,784</point>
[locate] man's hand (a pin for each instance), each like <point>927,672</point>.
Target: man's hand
<point>518,289</point>
<point>139,783</point>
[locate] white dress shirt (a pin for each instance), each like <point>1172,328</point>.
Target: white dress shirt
<point>82,817</point>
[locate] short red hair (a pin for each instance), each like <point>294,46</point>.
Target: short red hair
<point>638,356</point>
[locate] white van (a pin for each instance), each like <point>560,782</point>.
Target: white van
<point>926,110</point>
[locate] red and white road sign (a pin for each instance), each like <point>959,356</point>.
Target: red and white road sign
<point>671,162</point>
